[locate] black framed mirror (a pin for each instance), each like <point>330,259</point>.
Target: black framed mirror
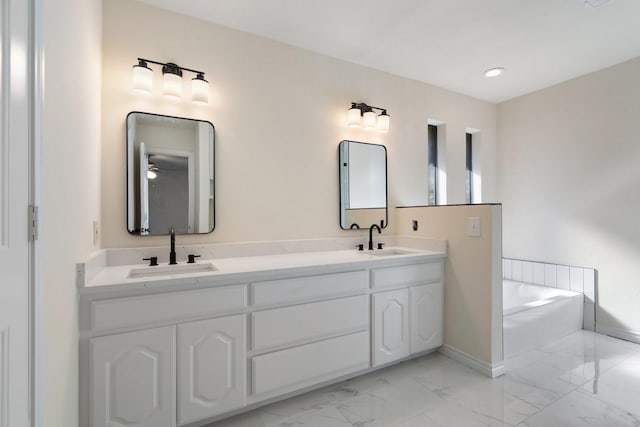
<point>363,184</point>
<point>170,175</point>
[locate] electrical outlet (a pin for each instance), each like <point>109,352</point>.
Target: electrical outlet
<point>96,233</point>
<point>473,226</point>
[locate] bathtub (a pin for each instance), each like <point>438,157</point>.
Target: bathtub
<point>534,315</point>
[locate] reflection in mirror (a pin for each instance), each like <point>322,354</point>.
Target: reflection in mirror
<point>363,185</point>
<point>170,175</point>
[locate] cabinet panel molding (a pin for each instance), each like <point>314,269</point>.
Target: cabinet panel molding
<point>426,317</point>
<point>134,379</point>
<point>390,326</point>
<point>211,367</point>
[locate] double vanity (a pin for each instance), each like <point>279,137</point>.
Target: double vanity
<point>188,344</point>
<point>166,344</point>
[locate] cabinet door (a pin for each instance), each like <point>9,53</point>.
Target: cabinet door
<point>212,367</point>
<point>426,317</point>
<point>390,326</point>
<point>133,379</point>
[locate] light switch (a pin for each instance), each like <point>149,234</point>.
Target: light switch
<point>473,226</point>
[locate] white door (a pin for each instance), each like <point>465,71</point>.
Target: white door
<point>133,379</point>
<point>15,95</point>
<point>390,326</point>
<point>211,367</point>
<point>426,317</point>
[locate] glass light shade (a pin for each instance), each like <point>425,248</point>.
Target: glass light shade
<point>172,85</point>
<point>369,120</point>
<point>353,117</point>
<point>199,90</point>
<point>142,78</point>
<point>383,123</point>
<point>151,175</point>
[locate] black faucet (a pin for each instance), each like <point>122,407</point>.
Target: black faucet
<point>172,253</point>
<point>377,227</point>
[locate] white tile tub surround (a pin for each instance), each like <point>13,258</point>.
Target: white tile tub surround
<point>550,275</point>
<point>538,273</point>
<point>563,277</point>
<point>570,278</point>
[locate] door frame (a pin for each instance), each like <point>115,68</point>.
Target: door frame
<point>190,156</point>
<point>36,304</point>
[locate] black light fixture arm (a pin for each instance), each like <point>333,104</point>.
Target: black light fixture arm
<point>366,108</point>
<point>172,65</point>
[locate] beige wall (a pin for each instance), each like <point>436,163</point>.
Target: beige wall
<point>279,113</point>
<point>569,183</point>
<point>70,188</point>
<point>473,274</point>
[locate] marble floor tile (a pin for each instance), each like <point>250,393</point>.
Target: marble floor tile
<point>398,400</point>
<point>317,400</point>
<point>326,417</point>
<point>584,379</point>
<point>577,409</point>
<point>496,400</point>
<point>619,386</point>
<point>448,414</point>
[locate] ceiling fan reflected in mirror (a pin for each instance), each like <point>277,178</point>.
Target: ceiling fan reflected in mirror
<point>152,171</point>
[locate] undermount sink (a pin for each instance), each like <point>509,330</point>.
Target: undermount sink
<point>389,252</point>
<point>167,270</point>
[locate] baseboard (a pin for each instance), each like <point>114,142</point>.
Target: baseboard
<point>623,334</point>
<point>472,362</point>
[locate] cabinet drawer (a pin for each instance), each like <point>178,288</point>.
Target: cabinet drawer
<point>294,368</point>
<point>306,288</point>
<point>406,275</point>
<point>306,322</point>
<point>144,310</point>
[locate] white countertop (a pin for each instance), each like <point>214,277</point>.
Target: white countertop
<point>245,269</point>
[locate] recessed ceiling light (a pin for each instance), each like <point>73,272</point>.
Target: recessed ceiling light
<point>595,3</point>
<point>492,72</point>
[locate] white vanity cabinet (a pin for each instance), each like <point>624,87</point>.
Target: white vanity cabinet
<point>390,326</point>
<point>299,344</point>
<point>133,379</point>
<point>211,367</point>
<point>191,352</point>
<point>427,308</point>
<point>407,320</point>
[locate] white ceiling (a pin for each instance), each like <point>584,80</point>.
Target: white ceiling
<point>447,43</point>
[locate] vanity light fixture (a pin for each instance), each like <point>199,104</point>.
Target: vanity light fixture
<point>199,89</point>
<point>171,80</point>
<point>361,114</point>
<point>142,77</point>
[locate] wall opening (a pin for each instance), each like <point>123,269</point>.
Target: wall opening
<point>436,163</point>
<point>473,178</point>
